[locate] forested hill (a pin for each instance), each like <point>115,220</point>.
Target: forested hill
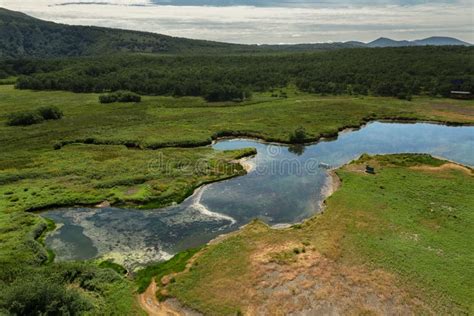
<point>25,36</point>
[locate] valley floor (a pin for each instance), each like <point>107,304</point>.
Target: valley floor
<point>100,152</point>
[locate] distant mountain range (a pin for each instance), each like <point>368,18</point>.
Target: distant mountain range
<point>430,41</point>
<point>24,36</point>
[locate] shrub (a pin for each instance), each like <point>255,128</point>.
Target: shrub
<point>24,118</point>
<point>127,96</point>
<point>298,136</point>
<point>39,295</point>
<point>107,98</point>
<point>225,92</point>
<point>34,117</point>
<point>404,96</point>
<point>50,113</point>
<point>114,266</point>
<point>120,96</point>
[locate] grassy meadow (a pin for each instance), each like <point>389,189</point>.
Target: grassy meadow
<point>398,239</point>
<point>99,152</point>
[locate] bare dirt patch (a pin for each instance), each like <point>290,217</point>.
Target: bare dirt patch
<point>170,307</point>
<point>312,284</point>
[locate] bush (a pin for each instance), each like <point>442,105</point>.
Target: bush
<point>120,96</point>
<point>50,113</point>
<point>38,295</point>
<point>404,96</point>
<point>298,136</point>
<point>24,119</point>
<point>128,97</point>
<point>225,92</point>
<point>34,117</point>
<point>107,98</point>
<point>114,266</point>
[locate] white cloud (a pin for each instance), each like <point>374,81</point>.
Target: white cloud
<point>249,24</point>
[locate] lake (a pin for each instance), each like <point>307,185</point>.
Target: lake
<point>286,185</point>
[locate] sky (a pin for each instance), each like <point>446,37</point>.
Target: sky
<point>266,21</point>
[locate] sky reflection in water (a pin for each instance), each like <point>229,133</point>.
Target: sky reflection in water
<point>284,187</point>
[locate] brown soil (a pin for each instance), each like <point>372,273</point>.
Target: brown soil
<point>169,307</point>
<point>152,307</point>
<point>312,284</point>
<point>149,303</point>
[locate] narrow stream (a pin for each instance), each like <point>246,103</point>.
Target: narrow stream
<point>285,185</point>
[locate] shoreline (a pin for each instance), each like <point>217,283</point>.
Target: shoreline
<point>225,135</point>
<point>331,185</point>
<point>247,167</point>
<point>172,304</point>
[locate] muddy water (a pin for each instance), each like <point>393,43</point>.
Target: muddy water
<point>285,185</point>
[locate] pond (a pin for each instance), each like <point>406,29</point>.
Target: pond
<point>285,185</point>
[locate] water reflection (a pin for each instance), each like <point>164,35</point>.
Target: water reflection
<point>285,186</point>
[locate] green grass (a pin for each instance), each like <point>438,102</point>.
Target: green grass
<point>158,270</point>
<point>419,224</point>
<point>162,120</point>
<point>220,268</point>
<point>407,221</point>
<point>50,226</point>
<point>8,81</point>
<point>107,264</point>
<point>88,174</point>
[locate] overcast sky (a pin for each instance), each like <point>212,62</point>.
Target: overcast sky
<point>266,21</point>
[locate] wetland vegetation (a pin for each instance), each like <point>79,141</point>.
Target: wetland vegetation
<point>399,239</point>
<point>35,175</point>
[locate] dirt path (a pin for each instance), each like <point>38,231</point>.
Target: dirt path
<point>152,307</point>
<point>171,306</point>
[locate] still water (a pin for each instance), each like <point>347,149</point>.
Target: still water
<point>285,185</point>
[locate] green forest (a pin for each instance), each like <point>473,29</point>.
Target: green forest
<point>397,72</point>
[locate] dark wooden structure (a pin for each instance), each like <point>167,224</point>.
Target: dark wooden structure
<point>369,169</point>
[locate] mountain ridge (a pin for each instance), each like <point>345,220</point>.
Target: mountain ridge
<point>429,41</point>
